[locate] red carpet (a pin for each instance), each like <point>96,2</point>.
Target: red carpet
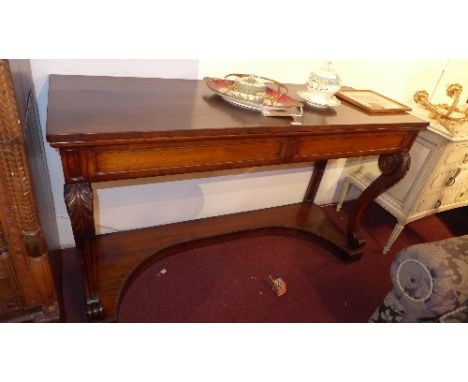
<point>227,282</point>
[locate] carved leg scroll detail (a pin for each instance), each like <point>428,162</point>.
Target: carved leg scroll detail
<point>79,200</point>
<point>394,167</point>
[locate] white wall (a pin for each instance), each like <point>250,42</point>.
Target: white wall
<point>155,201</point>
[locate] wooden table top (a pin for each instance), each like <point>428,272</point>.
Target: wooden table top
<point>89,108</point>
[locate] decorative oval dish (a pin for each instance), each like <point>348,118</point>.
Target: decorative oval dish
<point>270,101</point>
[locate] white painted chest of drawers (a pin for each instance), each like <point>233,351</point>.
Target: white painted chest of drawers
<point>436,181</point>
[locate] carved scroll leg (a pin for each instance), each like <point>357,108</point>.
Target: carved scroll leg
<point>394,167</point>
<point>79,201</point>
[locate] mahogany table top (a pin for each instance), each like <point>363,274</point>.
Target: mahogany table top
<point>88,108</point>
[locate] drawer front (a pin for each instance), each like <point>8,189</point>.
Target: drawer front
<point>457,155</point>
<point>450,178</point>
<point>462,195</point>
<point>148,160</point>
<point>436,201</point>
<point>428,202</point>
<point>348,145</point>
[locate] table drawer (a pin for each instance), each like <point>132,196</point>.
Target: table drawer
<point>348,145</point>
<point>147,160</point>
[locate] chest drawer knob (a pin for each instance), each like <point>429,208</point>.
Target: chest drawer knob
<point>453,178</point>
<point>438,203</point>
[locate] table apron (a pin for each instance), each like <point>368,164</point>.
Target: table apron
<point>139,160</point>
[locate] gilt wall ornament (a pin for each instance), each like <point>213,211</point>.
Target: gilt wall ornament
<point>452,117</point>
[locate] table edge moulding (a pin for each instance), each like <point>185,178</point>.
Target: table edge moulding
<point>112,128</point>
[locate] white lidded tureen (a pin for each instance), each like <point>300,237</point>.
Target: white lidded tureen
<point>322,85</point>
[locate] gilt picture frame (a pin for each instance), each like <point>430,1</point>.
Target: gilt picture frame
<point>372,102</point>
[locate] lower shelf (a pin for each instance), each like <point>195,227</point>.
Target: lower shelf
<point>121,256</point>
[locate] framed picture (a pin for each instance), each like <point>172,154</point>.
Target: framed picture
<point>372,102</point>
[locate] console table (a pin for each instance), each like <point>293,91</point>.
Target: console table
<point>110,128</point>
